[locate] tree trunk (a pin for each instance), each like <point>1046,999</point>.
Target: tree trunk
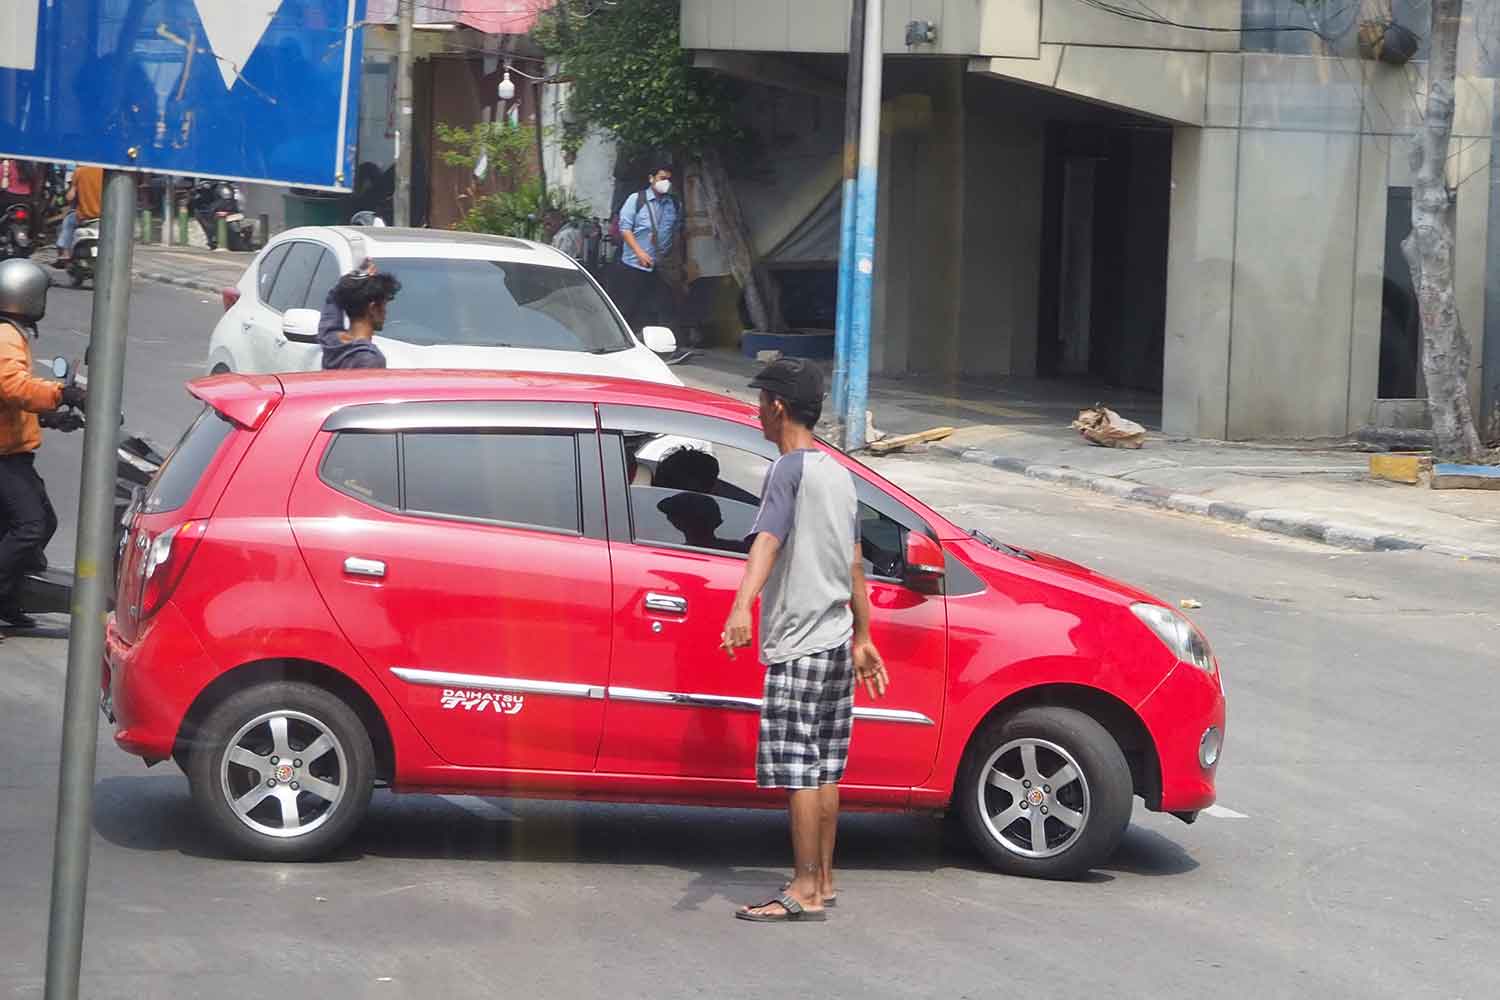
<point>1446,354</point>
<point>761,298</point>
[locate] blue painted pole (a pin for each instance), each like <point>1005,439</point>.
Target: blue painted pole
<point>840,399</point>
<point>866,203</point>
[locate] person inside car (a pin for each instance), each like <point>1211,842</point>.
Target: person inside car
<point>363,296</point>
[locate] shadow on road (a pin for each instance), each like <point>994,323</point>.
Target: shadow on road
<point>721,848</point>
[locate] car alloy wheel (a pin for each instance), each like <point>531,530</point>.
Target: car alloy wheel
<point>1034,797</point>
<point>284,774</point>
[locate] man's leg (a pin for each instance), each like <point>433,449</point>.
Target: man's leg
<point>25,511</point>
<point>65,235</point>
<point>807,846</point>
<point>828,828</point>
<point>627,293</point>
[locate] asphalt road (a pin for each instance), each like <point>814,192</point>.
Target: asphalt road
<point>1353,854</point>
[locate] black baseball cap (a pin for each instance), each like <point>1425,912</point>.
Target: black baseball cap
<point>792,380</point>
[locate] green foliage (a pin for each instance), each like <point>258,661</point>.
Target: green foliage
<point>509,147</point>
<point>631,77</point>
<point>521,212</point>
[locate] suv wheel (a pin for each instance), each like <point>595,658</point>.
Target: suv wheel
<point>283,771</point>
<point>1045,793</point>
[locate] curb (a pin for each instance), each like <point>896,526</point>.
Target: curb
<point>172,279</point>
<point>1293,523</point>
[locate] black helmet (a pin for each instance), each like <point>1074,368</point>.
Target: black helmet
<point>23,290</point>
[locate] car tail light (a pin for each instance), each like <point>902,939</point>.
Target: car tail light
<point>165,560</point>
<point>229,296</point>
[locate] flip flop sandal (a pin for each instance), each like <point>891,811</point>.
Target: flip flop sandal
<point>795,912</point>
<point>829,902</point>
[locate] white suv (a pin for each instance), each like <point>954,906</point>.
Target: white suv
<point>467,301</point>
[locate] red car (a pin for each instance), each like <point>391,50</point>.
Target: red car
<point>470,583</point>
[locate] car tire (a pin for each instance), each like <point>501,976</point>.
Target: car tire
<point>289,810</point>
<point>1010,761</point>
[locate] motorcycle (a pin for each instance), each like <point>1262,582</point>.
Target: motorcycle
<point>45,590</point>
<point>85,252</point>
<point>211,201</point>
<point>15,232</point>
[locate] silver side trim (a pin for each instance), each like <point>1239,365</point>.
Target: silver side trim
<point>733,703</point>
<point>484,682</point>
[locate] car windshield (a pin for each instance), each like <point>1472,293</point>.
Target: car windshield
<point>492,303</point>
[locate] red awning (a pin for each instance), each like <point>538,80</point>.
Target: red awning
<point>493,17</point>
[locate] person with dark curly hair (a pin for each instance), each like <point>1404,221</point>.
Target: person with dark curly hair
<point>353,313</point>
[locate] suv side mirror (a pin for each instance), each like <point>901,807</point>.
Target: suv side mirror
<point>925,564</point>
<point>300,325</point>
<point>659,339</point>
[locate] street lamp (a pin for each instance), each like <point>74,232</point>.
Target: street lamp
<point>506,90</point>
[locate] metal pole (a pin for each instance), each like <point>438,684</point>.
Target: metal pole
<point>541,152</point>
<point>846,227</point>
<point>166,211</point>
<point>862,284</point>
<point>91,585</point>
<point>403,115</point>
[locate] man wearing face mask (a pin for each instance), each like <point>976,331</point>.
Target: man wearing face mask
<point>649,221</point>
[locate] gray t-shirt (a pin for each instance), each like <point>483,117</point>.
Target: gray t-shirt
<point>809,504</point>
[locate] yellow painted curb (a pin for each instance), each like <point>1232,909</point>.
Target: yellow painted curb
<point>1400,467</point>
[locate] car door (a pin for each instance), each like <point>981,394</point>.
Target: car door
<point>293,353</point>
<point>288,291</point>
<point>678,705</point>
<point>257,318</point>
<point>461,548</point>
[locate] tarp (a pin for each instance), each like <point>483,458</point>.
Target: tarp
<point>815,241</point>
<point>494,17</point>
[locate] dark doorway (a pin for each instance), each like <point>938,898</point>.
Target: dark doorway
<point>1106,220</point>
<point>1400,320</point>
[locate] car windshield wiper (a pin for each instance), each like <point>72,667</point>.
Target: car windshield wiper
<point>610,350</point>
<point>998,546</point>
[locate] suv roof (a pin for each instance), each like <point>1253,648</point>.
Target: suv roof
<point>415,385</point>
<point>386,241</point>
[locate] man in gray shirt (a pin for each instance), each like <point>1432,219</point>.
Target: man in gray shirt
<point>806,567</point>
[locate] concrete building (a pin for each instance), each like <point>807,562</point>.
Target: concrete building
<point>1212,212</point>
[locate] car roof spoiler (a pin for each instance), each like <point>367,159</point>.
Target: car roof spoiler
<point>244,400</point>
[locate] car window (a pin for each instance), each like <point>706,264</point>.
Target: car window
<point>290,290</point>
<point>363,466</point>
<point>705,495</point>
<point>323,279</point>
<point>185,466</point>
<point>500,304</point>
<point>526,480</point>
<point>268,270</point>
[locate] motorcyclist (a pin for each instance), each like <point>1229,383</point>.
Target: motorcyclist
<point>27,404</point>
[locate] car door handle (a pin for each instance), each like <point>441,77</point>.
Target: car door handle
<point>356,566</point>
<point>667,603</point>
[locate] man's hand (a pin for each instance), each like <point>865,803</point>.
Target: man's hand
<point>74,395</point>
<point>869,668</point>
<point>61,420</point>
<point>647,261</point>
<point>736,634</point>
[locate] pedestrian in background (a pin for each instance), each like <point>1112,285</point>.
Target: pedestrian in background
<point>807,568</point>
<point>363,296</point>
<point>649,224</point>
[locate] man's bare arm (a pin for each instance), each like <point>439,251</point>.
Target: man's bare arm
<point>757,571</point>
<point>869,668</point>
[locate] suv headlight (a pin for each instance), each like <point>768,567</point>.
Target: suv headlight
<point>1177,633</point>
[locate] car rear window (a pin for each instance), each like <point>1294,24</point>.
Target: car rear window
<point>525,480</point>
<point>185,466</point>
<point>489,303</point>
<point>363,466</point>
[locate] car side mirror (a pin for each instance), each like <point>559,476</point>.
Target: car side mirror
<point>300,325</point>
<point>59,368</point>
<point>925,564</point>
<point>659,339</point>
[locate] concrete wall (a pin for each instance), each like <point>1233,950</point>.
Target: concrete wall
<point>1277,250</point>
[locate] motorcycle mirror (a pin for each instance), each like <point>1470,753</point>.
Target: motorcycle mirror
<point>59,367</point>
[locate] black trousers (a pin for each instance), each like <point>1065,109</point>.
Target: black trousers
<point>26,520</point>
<point>643,296</point>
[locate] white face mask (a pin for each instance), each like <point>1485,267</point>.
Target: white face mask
<point>663,187</point>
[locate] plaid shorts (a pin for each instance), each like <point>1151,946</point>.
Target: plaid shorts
<point>805,721</point>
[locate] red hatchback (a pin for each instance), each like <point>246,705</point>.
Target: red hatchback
<point>514,585</point>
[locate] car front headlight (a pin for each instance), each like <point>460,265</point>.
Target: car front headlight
<point>1177,633</point>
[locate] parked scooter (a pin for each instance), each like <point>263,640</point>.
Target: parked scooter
<point>211,201</point>
<point>15,232</point>
<point>45,590</point>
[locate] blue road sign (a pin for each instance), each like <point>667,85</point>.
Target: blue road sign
<point>255,90</point>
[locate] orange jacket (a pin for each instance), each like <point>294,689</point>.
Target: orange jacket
<point>22,394</point>
<point>88,183</point>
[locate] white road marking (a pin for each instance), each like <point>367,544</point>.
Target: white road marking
<point>1220,812</point>
<point>483,808</point>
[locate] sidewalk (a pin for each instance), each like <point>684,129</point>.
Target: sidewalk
<point>1318,491</point>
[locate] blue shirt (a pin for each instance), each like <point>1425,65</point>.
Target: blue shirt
<point>636,219</point>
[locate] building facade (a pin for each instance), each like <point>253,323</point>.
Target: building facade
<point>1209,208</point>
